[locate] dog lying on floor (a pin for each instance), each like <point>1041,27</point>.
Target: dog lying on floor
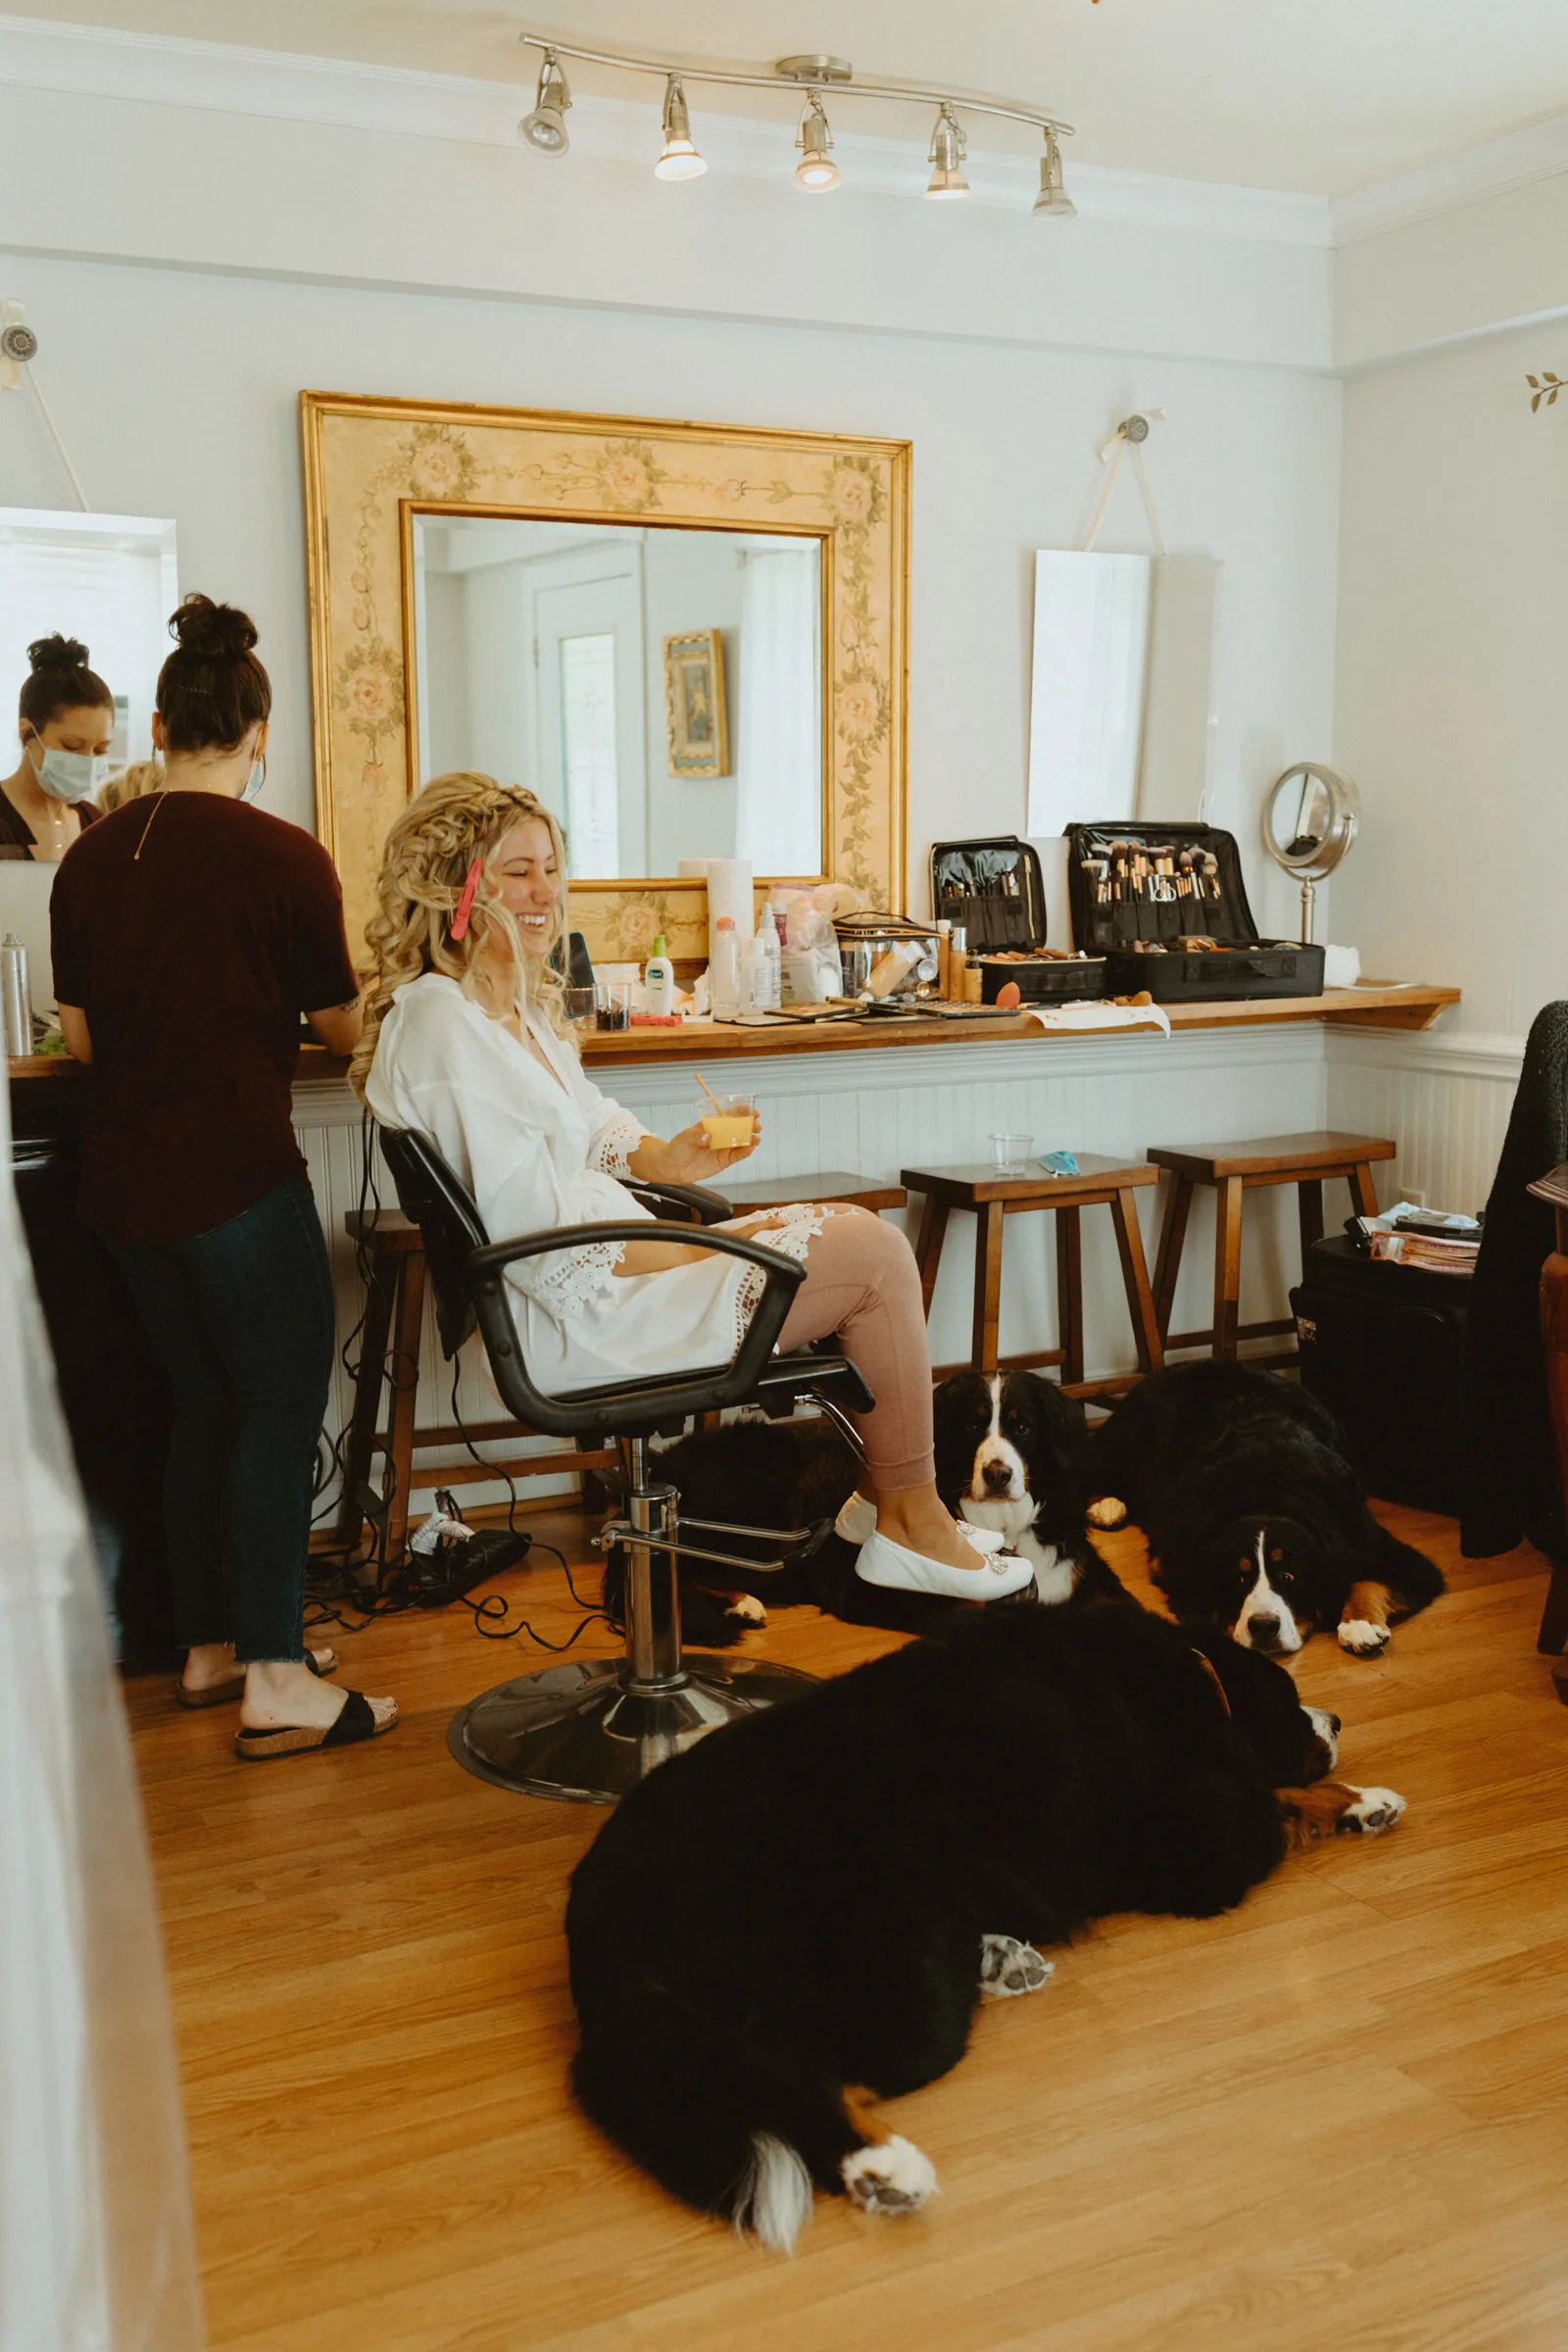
<point>799,1915</point>
<point>1255,1520</point>
<point>1010,1456</point>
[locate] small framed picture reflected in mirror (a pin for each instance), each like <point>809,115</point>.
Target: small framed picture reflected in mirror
<point>694,701</point>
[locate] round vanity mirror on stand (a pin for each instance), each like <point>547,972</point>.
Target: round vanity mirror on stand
<point>1309,820</point>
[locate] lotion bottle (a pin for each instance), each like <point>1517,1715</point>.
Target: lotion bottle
<point>767,936</point>
<point>658,981</point>
<point>724,972</point>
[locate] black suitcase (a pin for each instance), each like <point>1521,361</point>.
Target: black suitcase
<point>1124,917</point>
<point>1383,1347</point>
<point>994,888</point>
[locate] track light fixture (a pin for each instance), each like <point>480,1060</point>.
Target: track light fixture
<point>948,147</point>
<point>1053,196</point>
<point>816,172</point>
<point>680,159</point>
<point>545,130</point>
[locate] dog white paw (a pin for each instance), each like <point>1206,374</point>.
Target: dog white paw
<point>1362,1639</point>
<point>1373,1811</point>
<point>1107,1512</point>
<point>746,1608</point>
<point>1009,1968</point>
<point>891,2178</point>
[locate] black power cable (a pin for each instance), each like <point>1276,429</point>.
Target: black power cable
<point>491,1610</point>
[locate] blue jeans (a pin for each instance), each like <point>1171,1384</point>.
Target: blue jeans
<point>241,1320</point>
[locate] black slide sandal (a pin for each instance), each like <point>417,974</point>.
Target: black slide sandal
<point>354,1723</point>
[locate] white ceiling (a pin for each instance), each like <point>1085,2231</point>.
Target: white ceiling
<point>1320,96</point>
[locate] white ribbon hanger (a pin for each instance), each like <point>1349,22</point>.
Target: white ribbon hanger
<point>1131,433</point>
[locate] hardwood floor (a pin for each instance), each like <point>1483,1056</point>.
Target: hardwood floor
<point>1336,2118</point>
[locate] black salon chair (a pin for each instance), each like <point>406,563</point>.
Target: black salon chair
<point>589,1730</point>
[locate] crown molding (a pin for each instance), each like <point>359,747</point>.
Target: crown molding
<point>1512,159</point>
<point>93,61</point>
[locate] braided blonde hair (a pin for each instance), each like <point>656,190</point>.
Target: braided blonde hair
<point>454,821</point>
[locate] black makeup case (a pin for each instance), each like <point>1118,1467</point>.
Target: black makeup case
<point>1123,915</point>
<point>995,891</point>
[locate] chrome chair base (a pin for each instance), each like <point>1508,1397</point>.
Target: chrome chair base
<point>581,1730</point>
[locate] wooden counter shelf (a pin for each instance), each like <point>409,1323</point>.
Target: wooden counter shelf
<point>35,1077</point>
<point>1379,1006</point>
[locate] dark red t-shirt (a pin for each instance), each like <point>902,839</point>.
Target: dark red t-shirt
<point>193,962</point>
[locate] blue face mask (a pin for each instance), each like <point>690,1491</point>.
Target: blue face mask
<point>71,775</point>
<point>256,777</point>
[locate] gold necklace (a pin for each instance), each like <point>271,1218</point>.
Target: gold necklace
<point>148,827</point>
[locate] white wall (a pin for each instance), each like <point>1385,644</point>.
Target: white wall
<point>176,393</point>
<point>1452,705</point>
<point>690,582</point>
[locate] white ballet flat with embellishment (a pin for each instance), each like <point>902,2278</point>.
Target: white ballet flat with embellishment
<point>856,1525</point>
<point>999,1574</point>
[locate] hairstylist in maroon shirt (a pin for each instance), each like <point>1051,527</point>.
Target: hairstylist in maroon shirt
<point>190,932</point>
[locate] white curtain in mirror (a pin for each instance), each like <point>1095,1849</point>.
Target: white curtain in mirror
<point>1120,721</point>
<point>779,818</point>
<point>109,581</point>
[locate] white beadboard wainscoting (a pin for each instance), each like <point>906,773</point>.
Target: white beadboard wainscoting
<point>881,1110</point>
<point>1444,1098</point>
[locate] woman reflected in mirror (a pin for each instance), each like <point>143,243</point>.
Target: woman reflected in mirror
<point>66,724</point>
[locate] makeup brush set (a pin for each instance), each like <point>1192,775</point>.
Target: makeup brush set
<point>1166,908</point>
<point>993,892</point>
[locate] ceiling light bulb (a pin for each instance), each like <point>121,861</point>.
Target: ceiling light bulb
<point>1053,196</point>
<point>544,129</point>
<point>947,149</point>
<point>816,171</point>
<point>680,159</point>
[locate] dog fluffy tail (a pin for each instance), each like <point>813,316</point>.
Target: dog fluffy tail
<point>1414,1580</point>
<point>723,2123</point>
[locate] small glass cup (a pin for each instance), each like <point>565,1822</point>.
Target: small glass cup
<point>580,1008</point>
<point>1011,1152</point>
<point>729,1121</point>
<point>612,1004</point>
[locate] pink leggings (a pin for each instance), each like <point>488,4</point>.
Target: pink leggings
<point>861,1281</point>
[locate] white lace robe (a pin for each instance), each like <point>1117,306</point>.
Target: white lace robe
<point>539,1149</point>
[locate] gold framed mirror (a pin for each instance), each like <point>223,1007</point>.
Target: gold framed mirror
<point>590,519</point>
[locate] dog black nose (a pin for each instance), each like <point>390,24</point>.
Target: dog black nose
<point>1335,1726</point>
<point>1264,1632</point>
<point>996,1477</point>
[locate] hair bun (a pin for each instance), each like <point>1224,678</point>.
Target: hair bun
<point>213,632</point>
<point>57,652</point>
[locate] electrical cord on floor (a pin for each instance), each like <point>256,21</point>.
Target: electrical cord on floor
<point>402,1584</point>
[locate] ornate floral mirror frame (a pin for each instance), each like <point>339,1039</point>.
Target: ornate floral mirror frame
<point>372,465</point>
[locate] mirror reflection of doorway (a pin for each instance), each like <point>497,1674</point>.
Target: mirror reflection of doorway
<point>590,750</point>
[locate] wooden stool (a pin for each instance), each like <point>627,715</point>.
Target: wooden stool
<point>1233,1169</point>
<point>992,1198</point>
<point>774,1191</point>
<point>392,1252</point>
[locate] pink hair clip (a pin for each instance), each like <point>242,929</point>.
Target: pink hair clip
<point>460,921</point>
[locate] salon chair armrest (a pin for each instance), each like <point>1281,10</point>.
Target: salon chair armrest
<point>635,1406</point>
<point>702,1206</point>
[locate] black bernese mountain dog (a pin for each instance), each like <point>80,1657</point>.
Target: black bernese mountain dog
<point>1011,1455</point>
<point>800,1915</point>
<point>1254,1519</point>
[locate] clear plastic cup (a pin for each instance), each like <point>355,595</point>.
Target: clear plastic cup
<point>580,1008</point>
<point>729,1121</point>
<point>1011,1152</point>
<point>612,1004</point>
